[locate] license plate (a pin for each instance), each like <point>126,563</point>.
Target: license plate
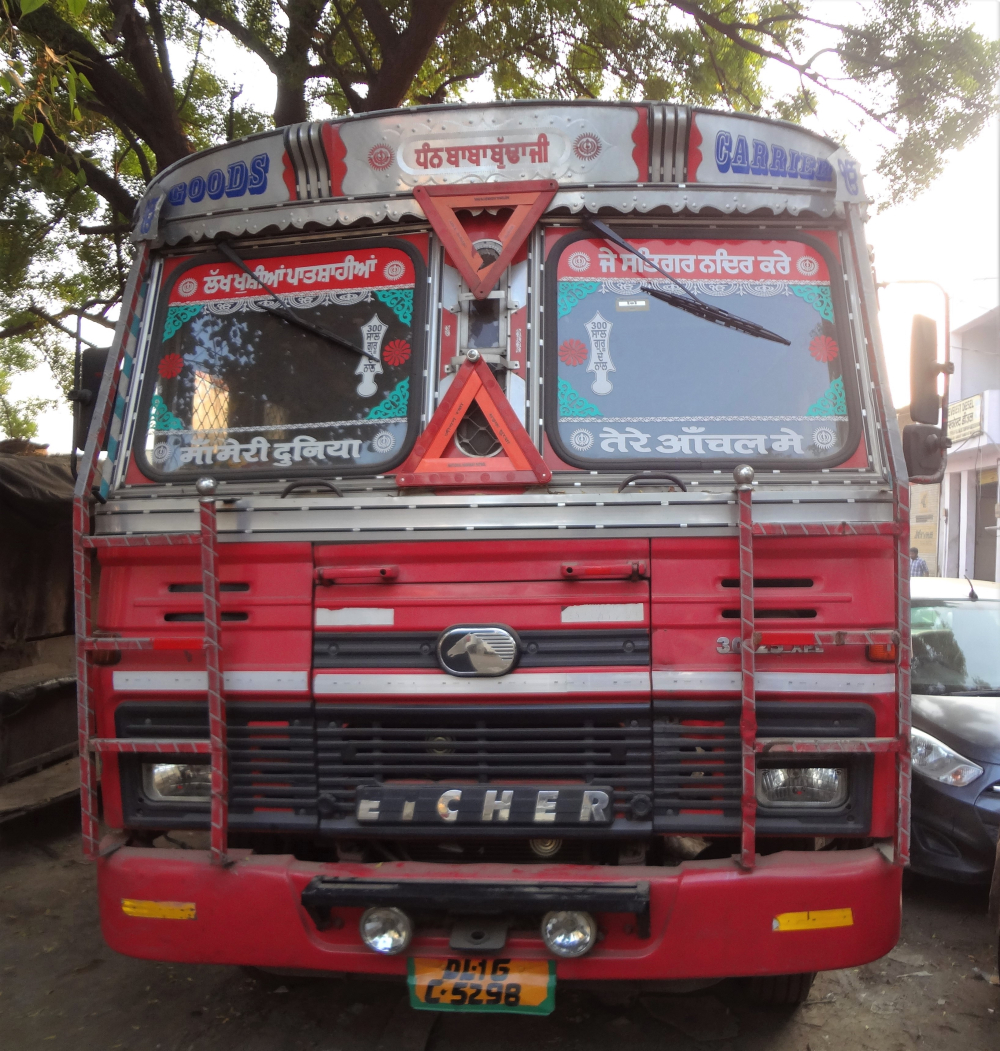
<point>502,985</point>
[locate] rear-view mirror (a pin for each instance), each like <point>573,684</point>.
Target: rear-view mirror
<point>925,402</point>
<point>84,394</point>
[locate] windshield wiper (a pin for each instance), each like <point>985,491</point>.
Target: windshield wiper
<point>287,314</point>
<point>688,301</point>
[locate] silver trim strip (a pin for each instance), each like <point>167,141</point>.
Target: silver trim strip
<point>604,613</point>
<point>197,681</point>
<point>519,683</point>
<point>354,616</point>
<point>627,200</point>
<point>772,682</point>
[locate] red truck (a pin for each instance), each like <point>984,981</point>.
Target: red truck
<point>491,558</point>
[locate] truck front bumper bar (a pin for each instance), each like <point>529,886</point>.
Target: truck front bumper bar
<point>797,911</point>
<point>465,897</point>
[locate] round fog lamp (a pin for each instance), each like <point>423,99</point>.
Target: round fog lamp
<point>569,933</point>
<point>386,930</point>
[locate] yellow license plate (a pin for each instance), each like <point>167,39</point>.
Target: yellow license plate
<point>482,984</point>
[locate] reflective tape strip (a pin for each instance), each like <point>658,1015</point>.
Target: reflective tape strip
<point>159,910</point>
<point>354,617</point>
<point>813,921</point>
<point>772,682</point>
<point>526,683</point>
<point>604,613</point>
<point>197,681</point>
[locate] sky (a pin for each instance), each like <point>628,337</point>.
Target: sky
<point>950,234</point>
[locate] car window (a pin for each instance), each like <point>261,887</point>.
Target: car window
<point>232,386</point>
<point>956,646</point>
<point>639,381</point>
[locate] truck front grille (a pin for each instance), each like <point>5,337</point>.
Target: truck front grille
<point>451,745</point>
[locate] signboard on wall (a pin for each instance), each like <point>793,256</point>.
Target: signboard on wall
<point>925,501</point>
<point>965,418</point>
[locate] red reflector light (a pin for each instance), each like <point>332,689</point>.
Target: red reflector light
<point>882,651</point>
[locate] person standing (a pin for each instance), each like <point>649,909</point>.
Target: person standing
<point>918,567</point>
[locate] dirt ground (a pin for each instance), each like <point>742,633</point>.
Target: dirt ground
<point>61,987</point>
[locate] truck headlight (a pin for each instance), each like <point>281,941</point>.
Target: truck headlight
<point>939,762</point>
<point>177,782</point>
<point>815,786</point>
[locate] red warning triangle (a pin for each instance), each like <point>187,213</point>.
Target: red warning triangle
<point>440,203</point>
<point>519,461</point>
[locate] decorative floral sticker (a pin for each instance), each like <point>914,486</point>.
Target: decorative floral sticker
<point>823,348</point>
<point>581,440</point>
<point>587,146</point>
<point>397,352</point>
<point>383,442</point>
<point>170,366</point>
<point>824,438</point>
<point>380,157</point>
<point>572,352</point>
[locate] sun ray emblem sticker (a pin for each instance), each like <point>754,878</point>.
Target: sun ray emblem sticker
<point>372,334</point>
<point>600,364</point>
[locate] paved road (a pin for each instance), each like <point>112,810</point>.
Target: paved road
<point>61,987</point>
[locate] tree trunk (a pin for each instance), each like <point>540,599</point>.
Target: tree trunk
<point>290,106</point>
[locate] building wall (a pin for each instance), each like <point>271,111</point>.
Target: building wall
<point>967,530</point>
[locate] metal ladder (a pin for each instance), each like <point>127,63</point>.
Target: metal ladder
<point>750,639</point>
<point>92,746</point>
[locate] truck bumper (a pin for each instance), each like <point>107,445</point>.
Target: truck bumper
<point>706,919</point>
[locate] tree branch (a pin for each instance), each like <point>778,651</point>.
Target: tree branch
<point>380,24</point>
<point>355,42</point>
<point>208,11</point>
<point>114,90</point>
<point>48,319</point>
<point>54,147</point>
<point>396,73</point>
<point>160,36</point>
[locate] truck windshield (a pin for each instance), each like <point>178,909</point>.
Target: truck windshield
<point>233,385</point>
<point>640,382</point>
<point>955,647</point>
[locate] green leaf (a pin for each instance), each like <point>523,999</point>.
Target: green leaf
<point>27,6</point>
<point>18,110</point>
<point>77,115</point>
<point>81,178</point>
<point>83,79</point>
<point>37,131</point>
<point>76,7</point>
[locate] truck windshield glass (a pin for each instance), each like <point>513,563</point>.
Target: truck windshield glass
<point>640,382</point>
<point>955,647</point>
<point>233,385</point>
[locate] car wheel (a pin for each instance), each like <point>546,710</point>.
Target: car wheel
<point>780,990</point>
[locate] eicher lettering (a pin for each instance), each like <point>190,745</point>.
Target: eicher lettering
<point>519,805</point>
<point>758,157</point>
<point>237,180</point>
